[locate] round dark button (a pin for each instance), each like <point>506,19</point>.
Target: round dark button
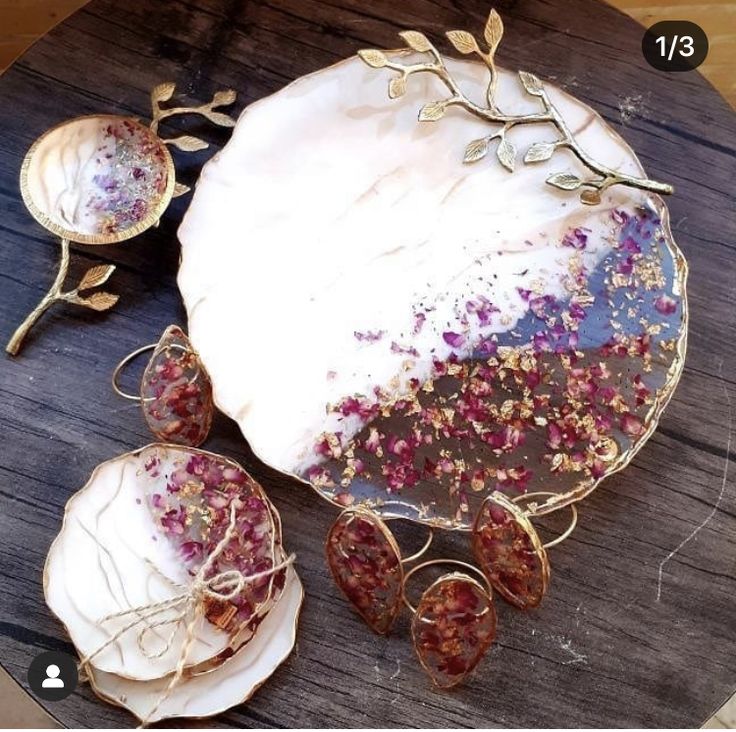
<point>675,45</point>
<point>52,676</point>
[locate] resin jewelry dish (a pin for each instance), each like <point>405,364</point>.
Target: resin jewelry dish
<point>418,332</point>
<point>168,566</point>
<point>103,179</point>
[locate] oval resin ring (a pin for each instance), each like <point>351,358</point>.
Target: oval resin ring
<point>454,623</point>
<point>366,563</point>
<point>510,551</point>
<point>175,392</point>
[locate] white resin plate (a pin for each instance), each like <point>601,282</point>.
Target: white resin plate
<point>338,256</point>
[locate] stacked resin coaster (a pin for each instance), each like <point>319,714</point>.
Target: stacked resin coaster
<point>170,576</point>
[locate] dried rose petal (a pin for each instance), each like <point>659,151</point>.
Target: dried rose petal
<point>632,425</point>
<point>369,336</point>
<point>510,553</point>
<point>455,340</point>
<point>365,562</point>
<point>453,627</point>
<point>665,305</point>
<point>195,517</point>
<point>177,392</point>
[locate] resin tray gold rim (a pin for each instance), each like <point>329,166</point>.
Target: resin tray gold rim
<point>623,459</point>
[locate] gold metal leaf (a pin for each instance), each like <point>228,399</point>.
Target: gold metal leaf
<point>476,150</point>
<point>374,58</point>
<point>590,196</point>
<point>397,87</point>
<point>531,83</point>
<point>432,111</point>
<point>466,43</point>
<point>95,276</point>
<point>224,97</point>
<point>180,189</point>
<point>564,181</point>
<point>463,41</point>
<point>219,118</point>
<point>506,154</point>
<point>99,301</point>
<point>493,31</point>
<point>416,41</point>
<point>539,151</point>
<point>187,143</point>
<point>162,92</point>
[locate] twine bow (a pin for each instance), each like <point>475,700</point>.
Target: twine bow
<point>223,587</point>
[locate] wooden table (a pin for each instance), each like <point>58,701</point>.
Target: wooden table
<point>639,628</point>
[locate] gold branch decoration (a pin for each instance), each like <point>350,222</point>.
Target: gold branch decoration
<point>154,205</point>
<point>93,277</point>
<point>188,143</point>
<point>590,187</point>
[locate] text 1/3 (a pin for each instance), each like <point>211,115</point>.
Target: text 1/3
<point>675,45</point>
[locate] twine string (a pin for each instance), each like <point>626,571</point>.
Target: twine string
<point>222,587</point>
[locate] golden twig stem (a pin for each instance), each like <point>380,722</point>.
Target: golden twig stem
<point>610,176</point>
<point>492,114</point>
<point>161,114</point>
<point>53,295</point>
<point>207,110</point>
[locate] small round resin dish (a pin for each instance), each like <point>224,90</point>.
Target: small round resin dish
<point>170,563</point>
<point>434,310</point>
<point>103,179</point>
<point>99,179</point>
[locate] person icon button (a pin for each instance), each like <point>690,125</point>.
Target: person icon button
<point>52,680</point>
<point>53,675</point>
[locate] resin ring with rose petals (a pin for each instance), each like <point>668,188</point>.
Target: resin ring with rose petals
<point>366,563</point>
<point>176,391</point>
<point>510,551</point>
<point>454,623</point>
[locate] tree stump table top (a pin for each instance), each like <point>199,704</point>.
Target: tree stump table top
<point>639,627</point>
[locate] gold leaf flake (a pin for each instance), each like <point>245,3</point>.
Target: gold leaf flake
<point>95,276</point>
<point>463,41</point>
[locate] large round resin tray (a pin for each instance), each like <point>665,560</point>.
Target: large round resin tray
<point>399,329</point>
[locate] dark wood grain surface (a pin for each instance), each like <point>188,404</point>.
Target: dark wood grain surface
<point>639,627</point>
